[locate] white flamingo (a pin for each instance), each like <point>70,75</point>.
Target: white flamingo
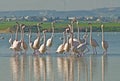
<point>30,42</point>
<point>23,43</point>
<point>67,44</point>
<point>50,40</point>
<point>93,42</point>
<point>43,48</point>
<point>104,43</point>
<point>16,46</point>
<point>36,44</point>
<point>60,48</point>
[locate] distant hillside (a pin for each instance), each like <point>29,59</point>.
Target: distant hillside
<point>114,11</point>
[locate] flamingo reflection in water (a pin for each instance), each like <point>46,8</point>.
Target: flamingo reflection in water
<point>23,64</point>
<point>36,68</point>
<point>49,68</point>
<point>104,66</point>
<point>82,68</point>
<point>42,63</point>
<point>15,66</point>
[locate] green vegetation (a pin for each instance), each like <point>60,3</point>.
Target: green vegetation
<point>59,26</point>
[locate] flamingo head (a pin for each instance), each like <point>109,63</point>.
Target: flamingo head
<point>44,31</point>
<point>67,29</point>
<point>102,26</point>
<point>90,25</point>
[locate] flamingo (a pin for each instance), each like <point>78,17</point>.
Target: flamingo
<point>104,43</point>
<point>67,45</point>
<point>79,40</point>
<point>74,41</point>
<point>36,43</point>
<point>42,48</point>
<point>50,40</point>
<point>23,43</point>
<point>60,48</point>
<point>93,42</point>
<point>85,36</point>
<point>74,48</point>
<point>30,42</point>
<point>82,47</point>
<point>16,46</point>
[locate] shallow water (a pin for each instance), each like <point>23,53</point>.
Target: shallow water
<point>54,67</point>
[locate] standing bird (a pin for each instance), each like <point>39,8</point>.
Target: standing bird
<point>67,44</point>
<point>36,43</point>
<point>82,47</point>
<point>50,40</point>
<point>23,43</point>
<point>30,42</point>
<point>60,48</point>
<point>93,42</point>
<point>16,46</point>
<point>79,39</point>
<point>104,43</point>
<point>42,48</point>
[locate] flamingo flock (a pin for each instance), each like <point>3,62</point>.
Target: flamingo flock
<point>70,45</point>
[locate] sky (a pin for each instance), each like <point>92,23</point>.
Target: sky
<point>59,5</point>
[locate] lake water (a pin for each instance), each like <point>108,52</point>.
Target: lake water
<point>54,67</point>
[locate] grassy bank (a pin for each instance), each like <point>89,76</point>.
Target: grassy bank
<point>59,26</point>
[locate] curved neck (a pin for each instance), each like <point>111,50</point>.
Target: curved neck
<point>64,38</point>
<point>90,32</point>
<point>72,26</point>
<point>22,34</point>
<point>102,34</point>
<point>11,35</point>
<point>17,32</point>
<point>44,37</point>
<point>29,36</point>
<point>71,39</point>
<point>38,31</point>
<point>78,34</point>
<point>52,30</point>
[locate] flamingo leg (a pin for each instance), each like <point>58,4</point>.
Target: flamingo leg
<point>95,51</point>
<point>87,50</point>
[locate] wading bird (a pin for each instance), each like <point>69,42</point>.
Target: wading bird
<point>36,43</point>
<point>60,48</point>
<point>43,48</point>
<point>23,43</point>
<point>93,42</point>
<point>104,43</point>
<point>50,40</point>
<point>16,46</point>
